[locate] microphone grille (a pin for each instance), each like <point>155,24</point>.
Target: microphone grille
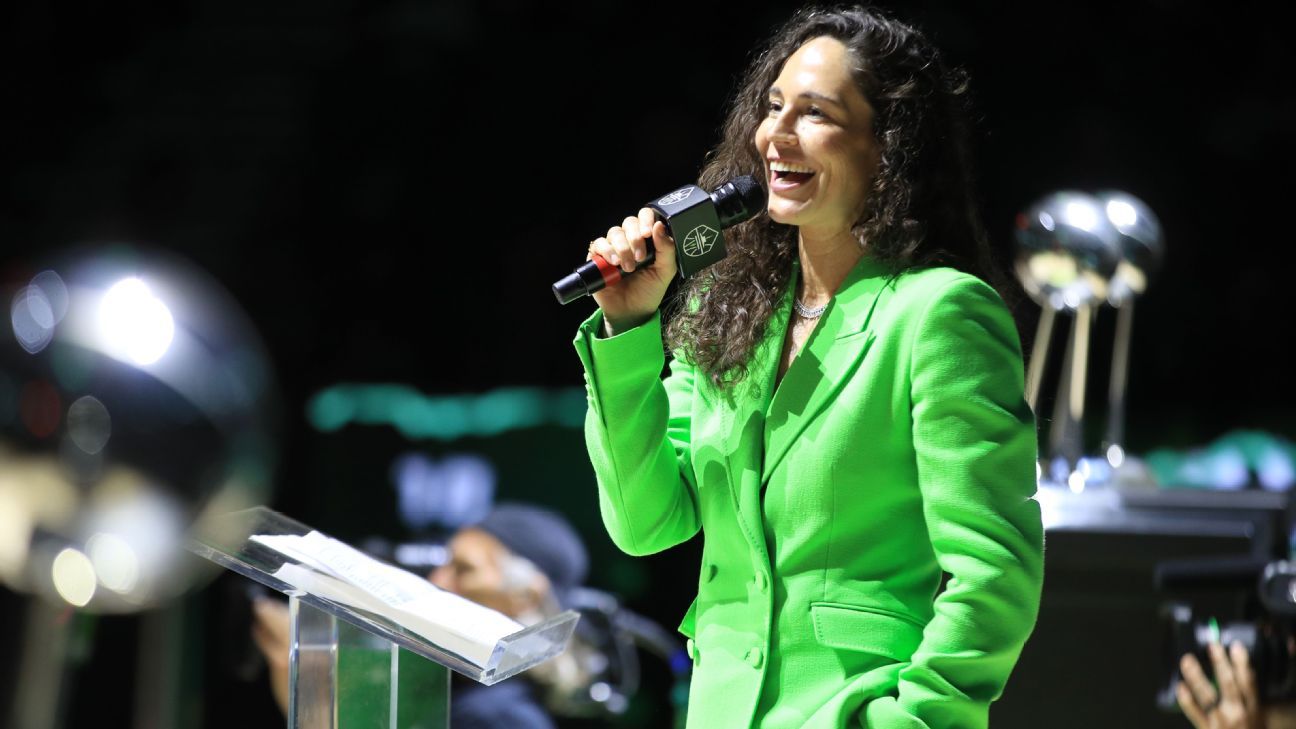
<point>739,199</point>
<point>751,193</point>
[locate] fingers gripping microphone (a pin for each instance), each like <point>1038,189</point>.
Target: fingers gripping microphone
<point>695,220</point>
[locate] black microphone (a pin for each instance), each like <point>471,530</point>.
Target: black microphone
<point>694,219</point>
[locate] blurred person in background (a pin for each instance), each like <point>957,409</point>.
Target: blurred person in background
<point>520,560</point>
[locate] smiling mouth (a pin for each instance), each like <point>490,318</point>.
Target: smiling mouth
<point>789,173</point>
<point>792,177</point>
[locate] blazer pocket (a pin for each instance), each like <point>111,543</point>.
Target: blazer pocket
<point>866,629</point>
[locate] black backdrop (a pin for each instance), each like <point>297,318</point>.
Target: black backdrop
<point>389,187</point>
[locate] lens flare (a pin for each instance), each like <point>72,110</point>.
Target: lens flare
<point>89,425</point>
<point>32,318</point>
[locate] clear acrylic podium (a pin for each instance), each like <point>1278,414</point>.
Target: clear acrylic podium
<point>371,645</point>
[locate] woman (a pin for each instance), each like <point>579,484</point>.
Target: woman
<point>844,418</point>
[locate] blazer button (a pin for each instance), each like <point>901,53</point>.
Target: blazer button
<point>755,657</point>
<point>762,582</point>
<point>711,571</point>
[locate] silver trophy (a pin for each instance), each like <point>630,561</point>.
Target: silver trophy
<point>140,400</point>
<point>1068,252</point>
<point>1142,250</point>
<point>136,402</point>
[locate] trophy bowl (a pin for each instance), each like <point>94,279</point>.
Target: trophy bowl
<point>135,401</point>
<point>1067,250</point>
<point>1141,242</point>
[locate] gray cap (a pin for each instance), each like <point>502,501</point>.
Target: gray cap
<point>542,536</point>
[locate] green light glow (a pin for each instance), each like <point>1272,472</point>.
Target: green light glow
<point>446,417</point>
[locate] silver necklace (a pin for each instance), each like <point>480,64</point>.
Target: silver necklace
<point>806,312</point>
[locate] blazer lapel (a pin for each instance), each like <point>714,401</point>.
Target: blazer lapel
<point>744,422</point>
<point>829,358</point>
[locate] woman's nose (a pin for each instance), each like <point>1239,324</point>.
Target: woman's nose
<point>783,133</point>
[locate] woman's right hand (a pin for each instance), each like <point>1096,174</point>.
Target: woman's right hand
<point>633,300</point>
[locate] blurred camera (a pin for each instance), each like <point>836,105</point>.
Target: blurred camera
<point>1231,600</point>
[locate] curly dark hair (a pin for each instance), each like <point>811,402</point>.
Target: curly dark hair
<point>920,210</point>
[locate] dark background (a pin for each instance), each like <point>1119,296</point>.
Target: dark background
<point>389,187</point>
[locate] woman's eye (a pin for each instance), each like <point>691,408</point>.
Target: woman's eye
<point>814,111</point>
<point>775,106</point>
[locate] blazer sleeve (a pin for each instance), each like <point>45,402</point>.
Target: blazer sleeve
<point>637,433</point>
<point>975,442</point>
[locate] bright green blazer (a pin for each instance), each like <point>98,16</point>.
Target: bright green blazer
<point>897,447</point>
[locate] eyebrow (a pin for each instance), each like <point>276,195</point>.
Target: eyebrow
<point>811,95</point>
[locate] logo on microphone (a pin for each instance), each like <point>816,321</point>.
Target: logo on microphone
<point>677,196</point>
<point>700,240</point>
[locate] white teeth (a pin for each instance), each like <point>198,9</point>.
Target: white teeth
<point>781,166</point>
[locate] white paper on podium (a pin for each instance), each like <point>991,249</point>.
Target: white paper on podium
<point>342,574</point>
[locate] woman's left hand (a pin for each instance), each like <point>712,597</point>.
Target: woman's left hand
<point>1234,705</point>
